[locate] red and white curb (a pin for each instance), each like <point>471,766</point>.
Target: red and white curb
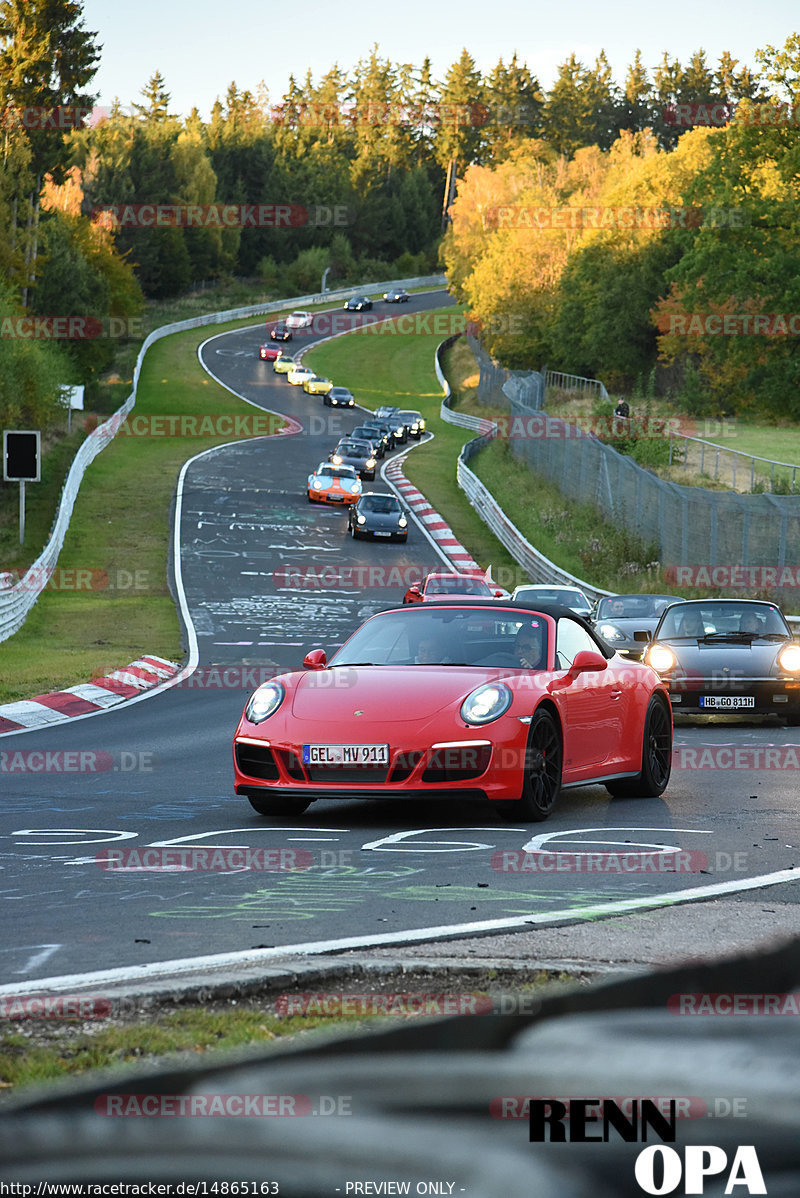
<point>87,697</point>
<point>437,528</point>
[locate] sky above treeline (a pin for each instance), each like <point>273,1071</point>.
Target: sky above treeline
<point>200,48</point>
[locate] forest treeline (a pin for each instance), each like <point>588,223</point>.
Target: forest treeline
<point>365,154</point>
<point>660,269</point>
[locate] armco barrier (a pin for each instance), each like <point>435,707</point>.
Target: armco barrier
<point>538,568</point>
<point>17,601</point>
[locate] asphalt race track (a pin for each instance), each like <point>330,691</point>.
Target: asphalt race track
<point>158,771</point>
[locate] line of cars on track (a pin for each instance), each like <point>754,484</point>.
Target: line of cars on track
<point>464,692</point>
<point>713,655</point>
<point>371,515</point>
<point>507,700</point>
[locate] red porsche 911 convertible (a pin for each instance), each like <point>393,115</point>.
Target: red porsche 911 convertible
<point>464,698</point>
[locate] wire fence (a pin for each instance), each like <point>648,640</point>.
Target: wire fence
<point>751,539</point>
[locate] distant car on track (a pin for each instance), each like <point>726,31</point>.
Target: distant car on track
<point>284,365</point>
<point>298,320</point>
<point>339,397</point>
<point>628,622</point>
<point>269,352</point>
<point>413,420</point>
<point>334,484</point>
<point>446,584</point>
<point>317,384</point>
<point>362,433</point>
<point>476,723</point>
<point>396,296</point>
<point>380,517</point>
<point>572,597</point>
<point>358,454</point>
<point>358,303</point>
<point>281,332</point>
<point>392,414</point>
<point>727,656</point>
<point>382,428</point>
<point>299,375</point>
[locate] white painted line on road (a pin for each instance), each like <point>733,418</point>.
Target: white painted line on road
<point>571,915</point>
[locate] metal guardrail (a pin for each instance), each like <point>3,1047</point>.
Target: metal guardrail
<point>735,454</point>
<point>17,601</point>
<point>574,382</point>
<point>538,567</point>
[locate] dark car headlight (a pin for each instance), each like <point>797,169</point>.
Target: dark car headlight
<point>789,659</point>
<point>486,703</point>
<point>661,658</point>
<point>609,633</point>
<point>265,701</point>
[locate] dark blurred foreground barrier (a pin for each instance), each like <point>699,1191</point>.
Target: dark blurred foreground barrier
<point>424,1103</point>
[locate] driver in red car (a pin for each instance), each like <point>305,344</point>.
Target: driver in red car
<point>529,647</point>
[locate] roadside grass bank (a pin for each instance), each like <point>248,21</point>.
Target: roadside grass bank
<point>119,605</point>
<point>42,1051</point>
<point>388,368</point>
<point>108,395</point>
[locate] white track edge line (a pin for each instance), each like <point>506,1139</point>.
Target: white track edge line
<point>188,965</point>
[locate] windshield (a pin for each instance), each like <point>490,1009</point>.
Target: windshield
<point>331,471</point>
<point>630,607</point>
<point>449,636</point>
<point>568,596</point>
<point>379,503</point>
<point>453,585</point>
<point>723,619</point>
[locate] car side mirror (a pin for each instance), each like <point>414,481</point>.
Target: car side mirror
<point>315,660</point>
<point>587,661</point>
<point>414,590</point>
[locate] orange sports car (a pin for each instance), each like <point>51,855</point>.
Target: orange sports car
<point>334,484</point>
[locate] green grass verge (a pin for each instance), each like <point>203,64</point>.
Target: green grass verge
<point>32,1057</point>
<point>120,531</point>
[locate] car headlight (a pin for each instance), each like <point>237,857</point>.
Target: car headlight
<point>401,428</point>
<point>789,659</point>
<point>362,519</point>
<point>609,633</point>
<point>370,463</point>
<point>487,703</point>
<point>661,658</point>
<point>316,484</point>
<point>264,702</point>
<point>337,459</point>
<point>402,522</point>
